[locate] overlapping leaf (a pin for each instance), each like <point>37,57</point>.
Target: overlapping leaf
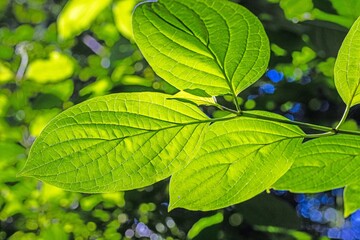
<point>217,46</point>
<point>239,159</point>
<point>117,142</point>
<point>78,15</point>
<point>324,164</point>
<point>347,67</point>
<point>351,198</point>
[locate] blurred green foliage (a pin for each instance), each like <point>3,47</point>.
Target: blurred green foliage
<point>54,54</point>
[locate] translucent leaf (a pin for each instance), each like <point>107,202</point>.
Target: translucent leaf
<point>78,15</point>
<point>347,67</point>
<point>6,75</point>
<point>217,46</point>
<point>187,97</point>
<point>123,17</point>
<point>117,142</point>
<point>239,159</point>
<point>57,68</point>
<point>351,199</point>
<point>39,121</point>
<point>324,164</point>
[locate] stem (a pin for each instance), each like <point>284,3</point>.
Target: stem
<point>21,50</point>
<point>286,121</point>
<point>227,109</point>
<point>317,135</point>
<point>236,102</point>
<point>344,116</point>
<point>327,130</point>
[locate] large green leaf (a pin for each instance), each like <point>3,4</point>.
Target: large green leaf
<point>324,164</point>
<point>347,67</point>
<point>351,198</point>
<point>117,142</point>
<point>239,159</point>
<point>78,15</point>
<point>217,46</point>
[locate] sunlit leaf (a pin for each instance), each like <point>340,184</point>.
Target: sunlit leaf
<point>6,75</point>
<point>123,10</point>
<point>98,88</point>
<point>117,142</point>
<point>303,57</point>
<point>351,198</point>
<point>39,122</point>
<point>297,10</point>
<point>203,223</point>
<point>57,68</point>
<point>347,67</point>
<point>187,97</point>
<point>78,15</point>
<point>324,164</point>
<point>239,159</point>
<point>217,46</point>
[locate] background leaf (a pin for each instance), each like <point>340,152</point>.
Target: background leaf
<point>6,75</point>
<point>57,68</point>
<point>117,142</point>
<point>78,15</point>
<point>217,46</point>
<point>350,8</point>
<point>269,210</point>
<point>239,159</point>
<point>323,164</point>
<point>347,67</point>
<point>351,199</point>
<point>123,17</point>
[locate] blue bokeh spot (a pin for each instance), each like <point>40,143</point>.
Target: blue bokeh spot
<point>267,88</point>
<point>274,75</point>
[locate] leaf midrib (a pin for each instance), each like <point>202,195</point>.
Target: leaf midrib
<point>115,139</point>
<point>218,63</point>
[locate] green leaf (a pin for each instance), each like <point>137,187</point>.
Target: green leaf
<point>217,46</point>
<point>347,67</point>
<point>203,223</point>
<point>351,199</point>
<point>297,10</point>
<point>324,164</point>
<point>57,68</point>
<point>123,17</point>
<point>239,159</point>
<point>6,75</point>
<point>117,142</point>
<point>187,97</point>
<point>78,15</point>
<point>349,8</point>
<point>62,90</point>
